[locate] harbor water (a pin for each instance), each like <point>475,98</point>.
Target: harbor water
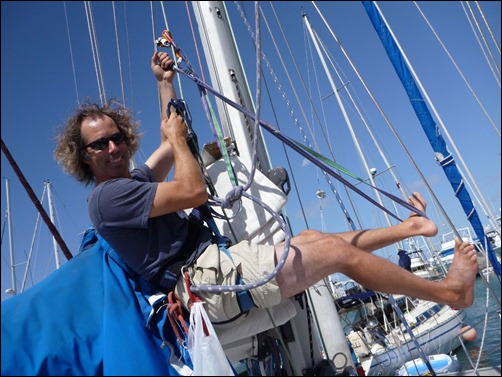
<point>484,351</point>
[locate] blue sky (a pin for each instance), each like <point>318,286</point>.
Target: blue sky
<point>44,76</point>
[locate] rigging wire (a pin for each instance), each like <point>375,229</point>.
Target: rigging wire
<point>128,54</point>
<point>479,42</point>
<point>196,44</point>
<point>173,54</point>
<point>402,61</point>
<point>277,122</point>
<point>347,193</point>
<point>292,113</point>
<point>95,51</point>
<point>118,53</point>
<point>71,53</point>
<point>488,26</point>
<point>395,132</point>
<point>237,192</point>
<point>372,136</point>
<point>315,39</point>
<point>445,130</point>
<point>487,46</point>
<point>32,247</point>
<point>458,69</point>
<point>324,124</point>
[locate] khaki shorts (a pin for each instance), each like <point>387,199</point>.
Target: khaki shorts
<point>214,267</point>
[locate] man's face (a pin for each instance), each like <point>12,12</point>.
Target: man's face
<point>106,149</point>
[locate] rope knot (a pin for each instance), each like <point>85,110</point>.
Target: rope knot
<point>231,197</point>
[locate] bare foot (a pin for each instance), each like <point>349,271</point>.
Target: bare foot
<point>459,283</point>
<point>422,225</point>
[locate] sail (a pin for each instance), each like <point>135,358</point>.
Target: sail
<point>87,318</point>
<point>431,130</point>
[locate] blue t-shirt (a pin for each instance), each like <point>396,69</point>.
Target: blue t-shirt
<point>119,210</point>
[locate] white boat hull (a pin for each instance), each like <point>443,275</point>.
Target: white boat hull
<point>440,364</point>
<point>441,336</point>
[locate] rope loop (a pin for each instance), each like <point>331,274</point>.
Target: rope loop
<point>231,197</point>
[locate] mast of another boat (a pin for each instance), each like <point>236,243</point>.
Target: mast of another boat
<point>344,113</point>
<point>51,214</point>
<point>11,290</point>
<point>225,69</point>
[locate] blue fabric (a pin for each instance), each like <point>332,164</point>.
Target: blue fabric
<point>431,130</point>
<point>87,318</point>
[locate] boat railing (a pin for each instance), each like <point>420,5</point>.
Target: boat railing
<point>449,237</point>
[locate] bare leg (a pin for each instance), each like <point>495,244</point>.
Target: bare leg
<point>374,239</point>
<point>314,255</point>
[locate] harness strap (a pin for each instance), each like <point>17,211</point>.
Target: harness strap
<point>202,212</point>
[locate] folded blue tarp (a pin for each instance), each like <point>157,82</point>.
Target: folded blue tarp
<point>88,318</point>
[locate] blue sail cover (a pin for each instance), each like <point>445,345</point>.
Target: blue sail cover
<point>431,130</point>
<point>89,318</point>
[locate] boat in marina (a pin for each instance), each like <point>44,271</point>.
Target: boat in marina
<point>435,327</point>
<point>448,243</point>
<point>382,342</point>
<point>440,363</point>
<point>304,335</point>
<point>493,234</point>
<point>422,265</point>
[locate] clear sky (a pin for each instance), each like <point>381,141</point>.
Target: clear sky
<point>48,67</point>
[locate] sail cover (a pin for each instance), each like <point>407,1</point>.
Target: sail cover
<point>431,130</point>
<point>90,317</point>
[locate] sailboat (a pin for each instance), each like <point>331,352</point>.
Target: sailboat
<point>447,244</point>
<point>436,328</point>
<point>323,353</point>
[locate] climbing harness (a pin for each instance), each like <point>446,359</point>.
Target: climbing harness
<point>202,213</point>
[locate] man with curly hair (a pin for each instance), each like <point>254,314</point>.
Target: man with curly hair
<point>141,216</point>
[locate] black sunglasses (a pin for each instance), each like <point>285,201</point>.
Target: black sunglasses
<point>103,142</point>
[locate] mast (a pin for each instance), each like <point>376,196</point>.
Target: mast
<point>12,290</point>
<point>226,71</point>
<point>51,214</point>
<point>344,113</point>
<point>228,77</point>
